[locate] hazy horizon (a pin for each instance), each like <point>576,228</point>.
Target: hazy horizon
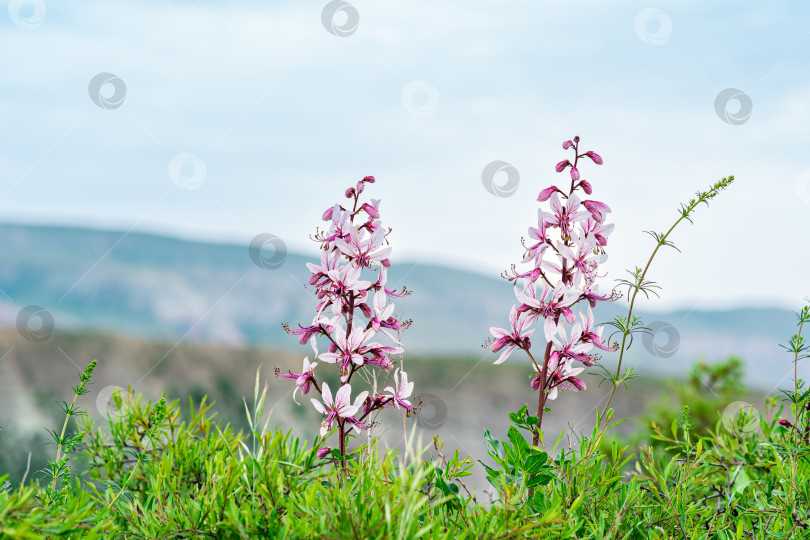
<point>652,305</point>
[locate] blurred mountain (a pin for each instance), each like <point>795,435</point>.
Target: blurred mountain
<point>171,290</point>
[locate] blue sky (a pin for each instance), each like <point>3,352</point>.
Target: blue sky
<point>282,115</point>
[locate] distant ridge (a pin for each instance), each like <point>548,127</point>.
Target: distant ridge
<point>156,287</point>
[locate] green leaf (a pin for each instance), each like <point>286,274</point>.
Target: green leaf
<point>539,480</point>
<point>521,446</point>
<point>534,463</point>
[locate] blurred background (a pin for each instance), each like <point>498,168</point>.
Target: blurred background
<point>163,165</point>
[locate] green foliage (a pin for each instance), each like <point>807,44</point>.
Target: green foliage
<point>708,390</point>
<point>152,473</point>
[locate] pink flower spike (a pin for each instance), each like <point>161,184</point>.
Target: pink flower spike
<point>594,156</point>
<point>562,165</point>
<point>574,174</point>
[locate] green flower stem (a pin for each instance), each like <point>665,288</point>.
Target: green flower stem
<point>685,211</point>
<point>61,437</point>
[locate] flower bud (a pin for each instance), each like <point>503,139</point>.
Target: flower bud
<point>576,139</point>
<point>586,187</point>
<point>594,156</point>
<point>567,145</point>
<point>597,209</point>
<point>369,179</point>
<point>562,165</point>
<point>371,211</point>
<point>574,174</point>
<point>323,452</point>
<point>328,214</point>
<point>546,193</point>
<point>579,384</point>
<point>360,187</point>
<point>350,193</point>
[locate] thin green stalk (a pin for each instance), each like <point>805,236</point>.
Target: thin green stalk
<point>641,285</point>
<point>802,320</point>
<point>61,437</point>
<point>70,410</point>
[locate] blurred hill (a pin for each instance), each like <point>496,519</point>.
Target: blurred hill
<point>166,289</point>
